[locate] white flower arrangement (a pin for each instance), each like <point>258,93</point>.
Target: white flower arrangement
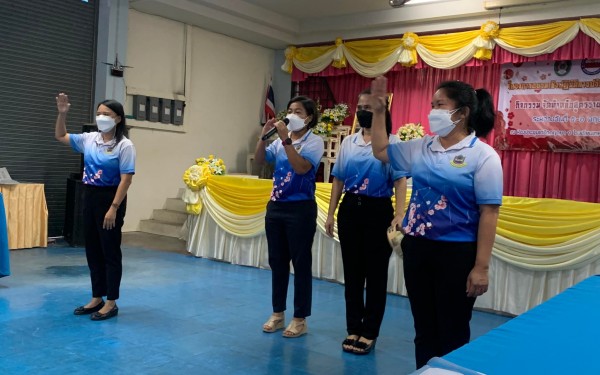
<point>410,131</point>
<point>330,118</point>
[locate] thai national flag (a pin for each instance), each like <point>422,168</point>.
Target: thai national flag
<point>269,110</point>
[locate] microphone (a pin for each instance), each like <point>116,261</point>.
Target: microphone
<point>274,130</point>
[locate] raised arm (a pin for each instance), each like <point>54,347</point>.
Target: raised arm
<point>60,130</point>
<point>379,137</point>
<point>259,152</point>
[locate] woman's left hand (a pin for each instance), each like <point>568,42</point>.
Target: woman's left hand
<point>477,282</point>
<point>110,219</point>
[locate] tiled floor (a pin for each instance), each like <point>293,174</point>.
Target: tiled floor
<point>181,315</point>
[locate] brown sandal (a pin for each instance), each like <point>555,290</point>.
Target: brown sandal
<point>274,324</point>
<point>296,328</point>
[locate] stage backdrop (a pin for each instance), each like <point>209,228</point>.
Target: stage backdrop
<point>550,106</point>
<point>527,173</point>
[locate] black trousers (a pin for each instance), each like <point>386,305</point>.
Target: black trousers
<point>362,226</point>
<point>102,246</point>
<point>290,229</point>
<point>435,273</point>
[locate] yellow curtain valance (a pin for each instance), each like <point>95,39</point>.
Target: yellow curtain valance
<point>371,58</point>
<point>533,233</point>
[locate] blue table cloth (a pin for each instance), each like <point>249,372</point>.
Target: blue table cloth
<point>560,336</point>
<point>4,255</point>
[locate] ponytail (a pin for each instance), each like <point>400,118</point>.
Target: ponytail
<point>481,107</point>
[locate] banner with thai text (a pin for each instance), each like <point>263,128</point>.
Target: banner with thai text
<point>550,106</point>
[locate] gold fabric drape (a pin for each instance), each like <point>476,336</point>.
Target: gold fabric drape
<point>26,215</point>
<point>375,57</point>
<point>536,234</point>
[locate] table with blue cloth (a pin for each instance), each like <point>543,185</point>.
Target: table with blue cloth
<point>560,336</point>
<point>4,256</point>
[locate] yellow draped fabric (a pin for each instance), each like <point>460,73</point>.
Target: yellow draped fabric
<point>374,57</point>
<point>26,215</point>
<point>537,234</point>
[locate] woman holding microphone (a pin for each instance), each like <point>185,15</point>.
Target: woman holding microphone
<point>291,217</point>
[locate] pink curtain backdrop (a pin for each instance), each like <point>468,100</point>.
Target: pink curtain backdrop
<point>534,174</point>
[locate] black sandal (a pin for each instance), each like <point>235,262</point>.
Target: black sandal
<point>362,348</point>
<point>348,342</point>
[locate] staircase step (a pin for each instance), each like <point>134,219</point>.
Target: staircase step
<point>175,204</point>
<point>161,228</point>
<point>168,216</point>
<point>180,193</point>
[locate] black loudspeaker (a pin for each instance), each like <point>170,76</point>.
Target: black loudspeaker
<point>73,230</point>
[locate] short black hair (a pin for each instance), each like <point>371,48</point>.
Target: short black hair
<point>309,106</point>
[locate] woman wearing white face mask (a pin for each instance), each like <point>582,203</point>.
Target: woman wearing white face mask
<point>450,223</point>
<point>109,165</point>
<point>291,218</point>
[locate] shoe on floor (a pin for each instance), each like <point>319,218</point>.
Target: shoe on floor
<point>295,329</point>
<point>274,324</point>
<point>81,310</point>
<point>362,348</point>
<point>111,314</point>
<point>348,341</point>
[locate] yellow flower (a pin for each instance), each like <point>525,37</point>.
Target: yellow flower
<point>490,29</point>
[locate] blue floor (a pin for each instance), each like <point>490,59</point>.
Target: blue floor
<point>182,315</point>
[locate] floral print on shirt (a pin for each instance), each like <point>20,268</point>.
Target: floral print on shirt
<point>423,215</point>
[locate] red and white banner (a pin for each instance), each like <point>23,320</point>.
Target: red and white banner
<point>550,106</point>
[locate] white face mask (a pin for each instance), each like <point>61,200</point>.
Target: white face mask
<point>105,123</point>
<point>296,123</point>
<point>440,121</point>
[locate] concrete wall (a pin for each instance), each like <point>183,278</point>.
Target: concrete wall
<point>223,82</point>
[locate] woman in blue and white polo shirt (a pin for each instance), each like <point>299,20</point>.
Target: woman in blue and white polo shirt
<point>364,216</point>
<point>450,223</point>
<point>109,165</point>
<point>291,218</point>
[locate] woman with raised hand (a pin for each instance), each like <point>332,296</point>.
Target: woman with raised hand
<point>109,166</point>
<point>291,217</point>
<point>450,223</point>
<point>363,218</point>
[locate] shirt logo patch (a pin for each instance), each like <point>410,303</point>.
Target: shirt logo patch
<point>458,161</point>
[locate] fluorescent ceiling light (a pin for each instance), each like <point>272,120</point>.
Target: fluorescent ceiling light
<point>415,2</point>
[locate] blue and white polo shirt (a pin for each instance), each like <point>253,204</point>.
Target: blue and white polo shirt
<point>448,185</point>
<point>104,162</point>
<point>361,172</point>
<point>287,184</point>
